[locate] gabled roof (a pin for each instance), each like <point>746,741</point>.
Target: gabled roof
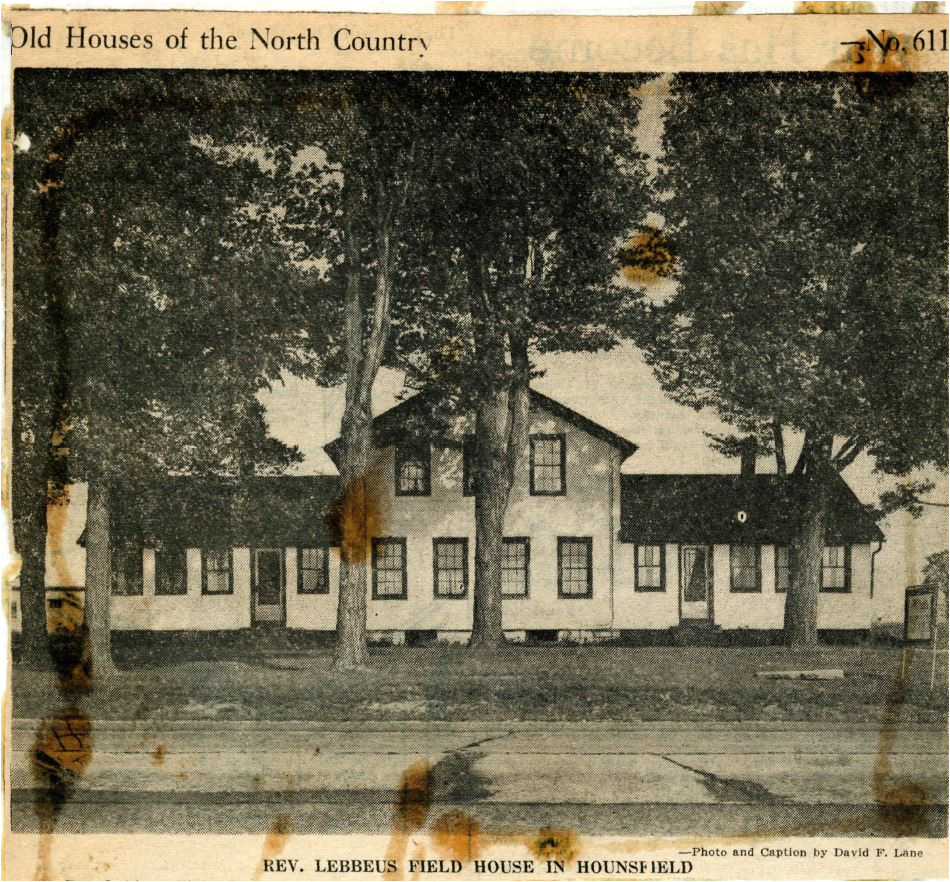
<point>543,402</point>
<point>412,415</point>
<point>705,509</point>
<point>261,511</point>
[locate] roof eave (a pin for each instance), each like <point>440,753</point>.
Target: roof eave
<point>624,446</point>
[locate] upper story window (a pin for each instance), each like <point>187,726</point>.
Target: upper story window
<point>216,572</point>
<point>413,468</point>
<point>836,568</point>
<point>783,568</point>
<point>746,571</point>
<point>649,568</point>
<point>546,468</point>
<point>170,571</point>
<point>468,466</point>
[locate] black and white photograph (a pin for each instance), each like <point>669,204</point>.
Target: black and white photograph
<point>490,460</point>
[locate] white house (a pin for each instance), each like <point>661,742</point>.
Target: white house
<point>588,553</point>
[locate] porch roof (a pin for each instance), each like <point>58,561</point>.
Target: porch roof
<point>259,511</point>
<point>705,509</point>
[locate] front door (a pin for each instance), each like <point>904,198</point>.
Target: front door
<point>267,595</point>
<point>694,587</point>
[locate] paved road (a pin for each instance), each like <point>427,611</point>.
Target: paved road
<point>662,778</point>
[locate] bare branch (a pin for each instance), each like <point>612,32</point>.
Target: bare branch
<point>805,455</point>
<point>848,452</point>
<point>778,441</point>
<point>382,321</point>
<point>354,299</point>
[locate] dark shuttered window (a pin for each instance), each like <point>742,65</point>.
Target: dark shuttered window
<point>575,570</point>
<point>389,569</point>
<point>127,571</point>
<point>746,569</point>
<point>450,567</point>
<point>217,576</point>
<point>515,563</point>
<point>546,465</point>
<point>649,568</point>
<point>171,573</point>
<point>783,568</point>
<point>836,569</point>
<point>413,469</point>
<point>313,570</point>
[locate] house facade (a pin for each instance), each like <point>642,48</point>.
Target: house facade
<point>589,553</point>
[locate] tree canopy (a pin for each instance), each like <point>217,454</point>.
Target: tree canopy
<point>808,219</point>
<point>809,224</point>
<point>149,320</point>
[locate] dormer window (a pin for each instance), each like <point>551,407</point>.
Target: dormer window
<point>413,468</point>
<point>547,465</point>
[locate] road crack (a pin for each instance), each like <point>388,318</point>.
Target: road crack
<point>728,789</point>
<point>472,745</point>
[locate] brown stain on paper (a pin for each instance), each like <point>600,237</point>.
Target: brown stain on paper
<point>869,58</point>
<point>63,746</point>
<point>57,516</point>
<point>829,7</point>
<point>275,841</point>
<point>648,257</point>
<point>459,7</point>
<point>415,797</point>
<point>412,811</point>
<point>456,835</point>
<point>559,845</point>
<point>902,804</point>
<point>717,7</point>
<point>61,753</point>
<point>358,514</point>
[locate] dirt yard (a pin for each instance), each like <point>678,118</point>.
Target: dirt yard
<point>522,683</point>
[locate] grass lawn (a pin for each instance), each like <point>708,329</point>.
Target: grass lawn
<point>523,683</point>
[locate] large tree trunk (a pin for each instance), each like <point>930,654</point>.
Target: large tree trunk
<point>501,435</point>
<point>29,532</point>
<point>801,601</point>
<point>492,486</point>
<point>501,432</point>
<point>98,578</point>
<point>492,428</point>
<point>364,350</point>
<point>351,609</point>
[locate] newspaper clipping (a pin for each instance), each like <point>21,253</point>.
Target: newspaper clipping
<point>496,447</point>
